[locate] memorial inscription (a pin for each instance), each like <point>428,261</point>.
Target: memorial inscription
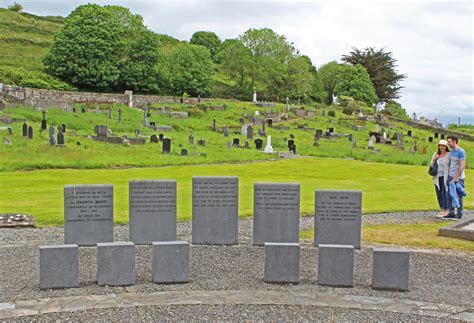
<point>337,217</point>
<point>215,210</point>
<point>152,206</point>
<point>276,212</point>
<point>88,214</point>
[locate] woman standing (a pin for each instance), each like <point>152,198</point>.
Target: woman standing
<point>441,157</point>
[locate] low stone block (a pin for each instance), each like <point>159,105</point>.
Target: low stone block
<point>336,265</point>
<point>116,263</point>
<point>282,263</point>
<point>391,269</point>
<point>59,266</point>
<point>170,262</point>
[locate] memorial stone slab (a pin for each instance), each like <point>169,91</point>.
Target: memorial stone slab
<point>116,263</point>
<point>152,207</point>
<point>215,210</point>
<point>276,212</point>
<point>170,263</point>
<point>88,214</point>
<point>336,265</point>
<point>282,263</point>
<point>391,269</point>
<point>338,217</point>
<point>59,266</point>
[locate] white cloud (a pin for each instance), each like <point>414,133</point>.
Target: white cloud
<point>432,40</point>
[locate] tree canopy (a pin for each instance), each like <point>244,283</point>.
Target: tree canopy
<point>207,39</point>
<point>354,81</point>
<point>382,69</point>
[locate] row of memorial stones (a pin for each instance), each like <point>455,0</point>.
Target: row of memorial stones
<point>116,262</point>
<point>27,131</point>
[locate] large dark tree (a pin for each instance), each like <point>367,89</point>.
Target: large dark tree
<point>382,69</point>
<point>207,39</point>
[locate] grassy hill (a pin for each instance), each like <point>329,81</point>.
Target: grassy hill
<point>24,39</point>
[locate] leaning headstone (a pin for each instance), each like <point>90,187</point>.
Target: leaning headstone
<point>336,265</point>
<point>154,138</point>
<point>116,263</point>
<point>282,263</point>
<point>215,210</point>
<point>170,263</point>
<point>88,214</point>
<point>337,217</point>
<point>59,266</point>
<point>391,269</point>
<point>152,211</point>
<point>276,212</point>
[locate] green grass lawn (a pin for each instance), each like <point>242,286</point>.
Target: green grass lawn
<point>386,187</point>
<point>423,235</point>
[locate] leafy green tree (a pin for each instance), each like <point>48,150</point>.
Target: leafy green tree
<point>16,7</point>
<point>328,76</point>
<point>299,79</point>
<point>207,39</point>
<point>186,68</point>
<point>395,109</point>
<point>382,69</point>
<point>236,62</point>
<point>166,40</point>
<point>103,48</point>
<point>354,81</point>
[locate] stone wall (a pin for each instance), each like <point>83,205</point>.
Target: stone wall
<point>66,99</point>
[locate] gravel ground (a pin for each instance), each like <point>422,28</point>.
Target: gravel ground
<point>228,312</point>
<point>434,276</point>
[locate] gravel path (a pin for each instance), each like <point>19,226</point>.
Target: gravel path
<point>445,278</point>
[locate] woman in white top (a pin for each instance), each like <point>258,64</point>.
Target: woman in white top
<point>441,157</point>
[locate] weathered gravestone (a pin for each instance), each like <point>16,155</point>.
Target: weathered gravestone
<point>236,142</point>
<point>226,131</point>
<point>191,139</point>
<point>88,214</point>
<point>154,138</point>
<point>201,142</point>
<point>215,210</point>
<point>101,131</point>
<point>337,217</point>
<point>59,266</point>
<point>258,144</point>
<point>249,132</point>
<point>276,212</point>
<point>184,152</point>
<point>60,138</point>
<point>161,136</point>
<point>116,263</point>
<point>30,132</point>
<point>152,211</point>
<point>43,121</point>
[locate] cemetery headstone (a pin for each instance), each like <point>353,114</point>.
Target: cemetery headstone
<point>152,211</point>
<point>25,130</point>
<point>215,210</point>
<point>43,121</point>
<point>161,136</point>
<point>116,263</point>
<point>184,152</point>
<point>166,146</point>
<point>59,266</point>
<point>63,127</point>
<point>337,217</point>
<point>442,136</point>
<point>268,147</point>
<point>60,138</point>
<point>52,131</point>
<point>258,144</point>
<point>201,142</point>
<point>52,140</point>
<point>154,138</point>
<point>391,269</point>
<point>30,132</point>
<point>88,214</point>
<point>336,265</point>
<point>430,139</point>
<point>243,131</point>
<point>236,142</point>
<point>350,137</point>
<point>111,111</point>
<point>250,132</point>
<point>191,138</point>
<point>241,120</point>
<point>276,212</point>
<point>269,122</point>
<point>214,127</point>
<point>7,141</point>
<point>246,144</point>
<point>170,263</point>
<point>120,114</point>
<point>282,263</point>
<point>101,131</point>
<point>226,131</point>
<point>83,110</point>
<point>436,135</point>
<point>409,133</point>
<point>229,144</point>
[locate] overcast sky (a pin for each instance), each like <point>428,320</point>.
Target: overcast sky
<point>432,40</point>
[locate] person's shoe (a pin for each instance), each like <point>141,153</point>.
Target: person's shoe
<point>458,217</point>
<point>441,214</point>
<point>449,217</point>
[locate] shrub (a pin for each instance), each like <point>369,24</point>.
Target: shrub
<point>344,100</point>
<point>348,110</point>
<point>196,113</point>
<point>332,113</point>
<point>15,7</point>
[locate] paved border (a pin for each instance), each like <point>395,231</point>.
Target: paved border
<point>233,297</point>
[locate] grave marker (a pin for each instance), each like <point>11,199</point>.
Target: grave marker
<point>59,266</point>
<point>170,263</point>
<point>391,269</point>
<point>88,214</point>
<point>276,212</point>
<point>338,217</point>
<point>282,263</point>
<point>152,211</point>
<point>116,263</point>
<point>336,265</point>
<point>215,210</point>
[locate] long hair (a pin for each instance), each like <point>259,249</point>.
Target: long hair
<point>439,150</point>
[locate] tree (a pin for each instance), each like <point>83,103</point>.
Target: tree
<point>186,68</point>
<point>166,40</point>
<point>103,48</point>
<point>207,39</point>
<point>16,7</point>
<point>395,109</point>
<point>381,67</point>
<point>236,62</point>
<point>354,81</point>
<point>328,76</point>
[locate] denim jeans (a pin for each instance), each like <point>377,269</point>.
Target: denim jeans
<point>450,203</point>
<point>442,194</point>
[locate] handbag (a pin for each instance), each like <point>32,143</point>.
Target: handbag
<point>433,171</point>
